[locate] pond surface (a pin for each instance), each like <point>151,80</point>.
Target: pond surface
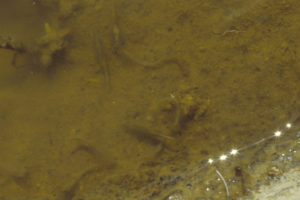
<point>131,99</point>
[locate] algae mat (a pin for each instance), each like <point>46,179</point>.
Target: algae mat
<point>131,99</point>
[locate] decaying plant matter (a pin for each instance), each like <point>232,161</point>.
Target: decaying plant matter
<point>51,43</point>
<point>41,54</point>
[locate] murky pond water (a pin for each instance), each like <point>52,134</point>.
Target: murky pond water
<point>128,99</point>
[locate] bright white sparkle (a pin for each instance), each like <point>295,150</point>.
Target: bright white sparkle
<point>288,125</point>
<point>210,161</point>
<point>234,152</point>
<point>223,157</point>
<point>277,133</point>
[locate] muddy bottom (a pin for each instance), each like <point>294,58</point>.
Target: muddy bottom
<point>148,100</point>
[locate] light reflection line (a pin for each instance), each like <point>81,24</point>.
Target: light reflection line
<point>276,134</point>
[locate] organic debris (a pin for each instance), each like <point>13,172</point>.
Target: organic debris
<point>171,115</point>
<point>41,54</point>
<point>53,42</point>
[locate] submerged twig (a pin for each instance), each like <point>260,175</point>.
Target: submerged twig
<point>101,59</point>
<point>9,44</point>
<point>224,181</point>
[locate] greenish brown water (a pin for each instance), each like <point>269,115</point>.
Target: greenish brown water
<point>128,99</point>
